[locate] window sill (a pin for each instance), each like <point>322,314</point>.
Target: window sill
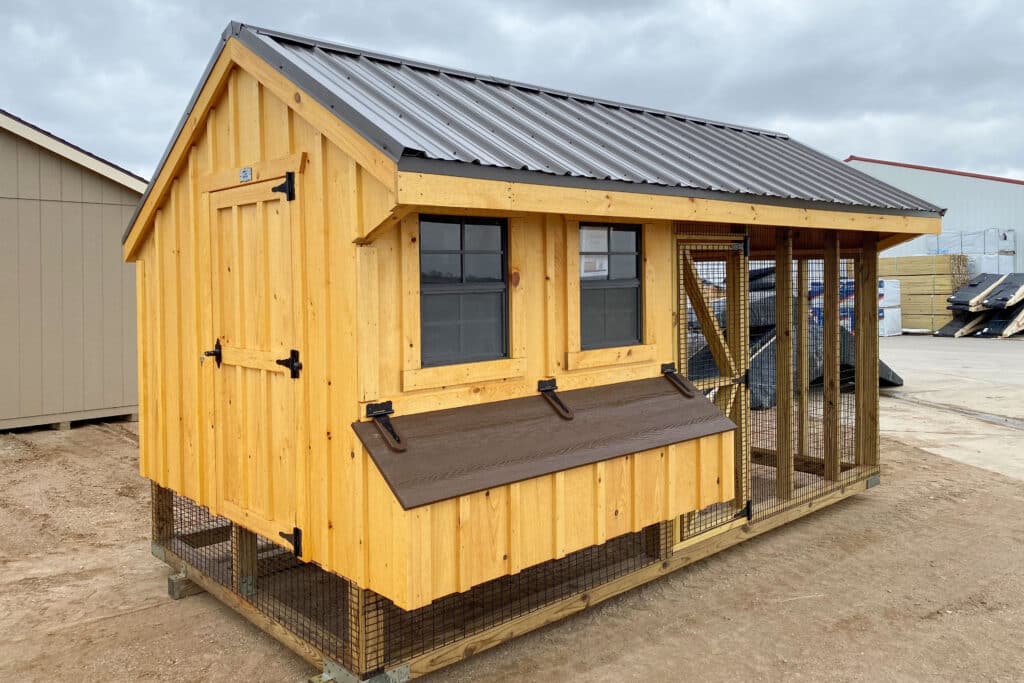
<point>463,373</point>
<point>617,355</point>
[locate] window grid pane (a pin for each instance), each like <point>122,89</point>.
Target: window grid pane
<point>610,286</point>
<point>464,298</point>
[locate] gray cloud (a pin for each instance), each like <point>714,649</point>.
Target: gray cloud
<point>926,82</point>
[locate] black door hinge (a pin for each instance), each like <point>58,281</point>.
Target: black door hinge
<point>217,353</point>
<point>746,511</point>
<point>548,388</point>
<point>292,362</point>
<point>379,413</point>
<point>287,187</point>
<point>743,379</point>
<point>682,385</point>
<point>295,538</point>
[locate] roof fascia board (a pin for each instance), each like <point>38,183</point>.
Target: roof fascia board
<point>439,192</point>
<point>67,151</point>
<point>474,171</point>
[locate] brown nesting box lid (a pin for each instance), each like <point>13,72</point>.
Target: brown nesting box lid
<point>457,451</point>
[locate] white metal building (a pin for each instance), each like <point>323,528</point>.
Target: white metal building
<point>984,217</point>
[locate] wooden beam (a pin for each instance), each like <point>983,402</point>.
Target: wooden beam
<point>206,537</point>
<point>866,339</point>
<point>830,354</point>
<point>442,192</point>
<point>163,513</point>
<point>801,463</point>
<point>784,365</point>
<point>803,368</point>
<point>243,560</point>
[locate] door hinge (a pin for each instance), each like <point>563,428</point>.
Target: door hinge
<point>548,388</point>
<point>746,511</point>
<point>379,413</point>
<point>295,538</point>
<point>217,354</point>
<point>287,187</point>
<point>743,379</point>
<point>292,362</point>
<point>742,245</point>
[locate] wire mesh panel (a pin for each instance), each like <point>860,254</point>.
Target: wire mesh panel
<point>359,629</point>
<point>712,350</point>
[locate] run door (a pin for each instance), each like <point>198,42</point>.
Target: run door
<point>713,349</point>
<point>258,370</point>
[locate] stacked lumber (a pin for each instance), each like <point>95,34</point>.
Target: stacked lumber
<point>925,284</point>
<point>987,306</point>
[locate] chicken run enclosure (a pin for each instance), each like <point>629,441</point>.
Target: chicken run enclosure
<point>430,359</point>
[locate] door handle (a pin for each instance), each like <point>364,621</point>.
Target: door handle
<point>292,363</point>
<point>214,353</point>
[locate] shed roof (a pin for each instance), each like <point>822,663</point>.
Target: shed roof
<point>441,120</point>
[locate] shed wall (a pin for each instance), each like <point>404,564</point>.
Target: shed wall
<point>358,332</point>
<point>67,347</point>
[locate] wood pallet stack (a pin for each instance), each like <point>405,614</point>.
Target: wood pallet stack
<point>925,284</point>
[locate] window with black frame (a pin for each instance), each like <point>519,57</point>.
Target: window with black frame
<point>610,290</point>
<point>463,290</point>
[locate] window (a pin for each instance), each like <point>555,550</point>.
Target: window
<point>463,290</point>
<point>610,271</point>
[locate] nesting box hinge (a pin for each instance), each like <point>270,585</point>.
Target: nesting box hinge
<point>292,362</point>
<point>682,385</point>
<point>287,187</point>
<point>295,538</point>
<point>379,412</point>
<point>548,389</point>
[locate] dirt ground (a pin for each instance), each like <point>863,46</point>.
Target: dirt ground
<point>920,578</point>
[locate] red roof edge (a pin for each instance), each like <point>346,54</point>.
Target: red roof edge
<point>934,169</point>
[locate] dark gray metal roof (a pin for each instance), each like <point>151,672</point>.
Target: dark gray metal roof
<point>440,120</point>
<point>444,120</point>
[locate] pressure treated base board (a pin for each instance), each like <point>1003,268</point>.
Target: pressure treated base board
<point>685,554</point>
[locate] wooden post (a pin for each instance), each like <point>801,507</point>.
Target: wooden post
<point>784,365</point>
<point>830,352</point>
<point>803,367</point>
<point>738,295</point>
<point>366,641</point>
<point>163,514</point>
<point>243,560</point>
<point>866,335</point>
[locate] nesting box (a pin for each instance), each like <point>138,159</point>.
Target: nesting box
<point>453,350</point>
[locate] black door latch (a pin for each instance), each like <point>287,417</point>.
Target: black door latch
<point>215,353</point>
<point>292,363</point>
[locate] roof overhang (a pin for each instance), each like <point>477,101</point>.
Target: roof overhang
<point>70,152</point>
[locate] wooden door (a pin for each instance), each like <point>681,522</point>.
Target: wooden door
<point>257,375</point>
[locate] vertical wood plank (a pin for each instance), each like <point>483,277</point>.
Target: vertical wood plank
<point>409,252</point>
<point>803,358</point>
<point>113,337</point>
<point>866,305</point>
<point>28,170</point>
<point>8,167</point>
<point>129,366</point>
<point>830,341</point>
<point>519,248</point>
<point>244,570</point>
<point>92,301</point>
<point>572,286</point>
<point>10,285</point>
<point>369,323</point>
<point>784,365</point>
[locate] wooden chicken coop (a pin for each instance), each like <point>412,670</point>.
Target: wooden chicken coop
<point>429,359</point>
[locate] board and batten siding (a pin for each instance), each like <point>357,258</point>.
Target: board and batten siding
<point>67,315</point>
<point>357,326</point>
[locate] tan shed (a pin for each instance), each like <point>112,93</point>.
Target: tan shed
<point>67,313</point>
<point>429,359</point>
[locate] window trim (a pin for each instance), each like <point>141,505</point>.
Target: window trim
<point>635,283</point>
<point>414,376</point>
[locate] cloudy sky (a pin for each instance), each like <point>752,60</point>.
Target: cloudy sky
<point>938,83</point>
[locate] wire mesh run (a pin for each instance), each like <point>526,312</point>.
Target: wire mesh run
<point>359,629</point>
